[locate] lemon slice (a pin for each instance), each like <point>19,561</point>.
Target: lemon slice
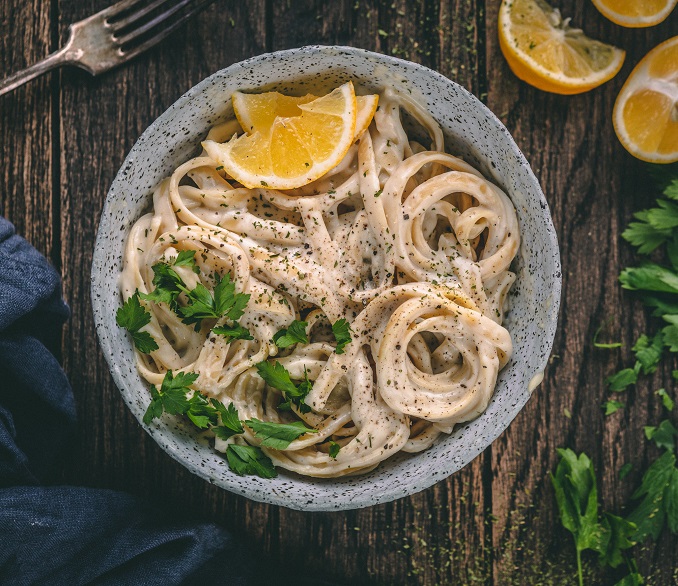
<point>259,111</point>
<point>645,114</point>
<point>545,51</point>
<point>294,150</point>
<point>634,13</point>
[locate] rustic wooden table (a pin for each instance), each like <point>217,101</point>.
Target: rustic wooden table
<point>495,522</point>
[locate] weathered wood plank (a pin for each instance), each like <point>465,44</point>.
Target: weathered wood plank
<point>592,186</point>
<point>26,125</point>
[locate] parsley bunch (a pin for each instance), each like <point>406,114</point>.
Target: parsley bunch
<point>656,505</point>
<point>200,303</point>
<point>656,229</point>
<point>655,501</point>
<point>176,397</point>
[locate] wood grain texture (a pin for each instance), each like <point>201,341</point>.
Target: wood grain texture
<point>593,186</point>
<point>26,119</point>
<point>495,522</point>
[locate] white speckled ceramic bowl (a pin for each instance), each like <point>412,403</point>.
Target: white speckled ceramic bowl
<point>471,131</point>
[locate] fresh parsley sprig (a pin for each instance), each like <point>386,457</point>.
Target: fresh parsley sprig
<point>249,460</point>
<point>133,316</point>
<point>295,333</point>
<point>171,396</point>
<point>176,397</point>
<point>225,302</point>
<point>277,376</point>
<point>233,332</point>
<point>342,334</point>
<point>577,497</point>
<point>200,303</point>
<point>278,435</point>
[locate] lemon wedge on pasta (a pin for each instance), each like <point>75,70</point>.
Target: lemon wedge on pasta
<point>293,150</point>
<point>259,111</point>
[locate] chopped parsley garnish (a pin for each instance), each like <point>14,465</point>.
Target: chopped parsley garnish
<point>295,333</point>
<point>133,316</point>
<point>168,286</point>
<point>224,303</point>
<point>334,449</point>
<point>230,422</point>
<point>245,460</point>
<point>234,332</point>
<point>277,376</point>
<point>342,334</point>
<point>278,435</point>
<point>210,413</point>
<point>171,397</point>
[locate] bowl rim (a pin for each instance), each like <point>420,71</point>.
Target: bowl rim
<point>394,490</point>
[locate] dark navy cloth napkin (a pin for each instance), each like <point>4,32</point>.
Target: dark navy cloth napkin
<point>69,535</point>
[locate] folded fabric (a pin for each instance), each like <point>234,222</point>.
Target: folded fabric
<point>70,535</point>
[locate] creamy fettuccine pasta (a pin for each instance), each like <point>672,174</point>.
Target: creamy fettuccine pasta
<point>410,245</point>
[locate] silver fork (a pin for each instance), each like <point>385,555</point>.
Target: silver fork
<point>112,37</point>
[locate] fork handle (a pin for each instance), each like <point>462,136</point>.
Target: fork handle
<point>56,59</point>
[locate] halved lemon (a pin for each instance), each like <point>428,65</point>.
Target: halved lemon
<point>635,13</point>
<point>294,150</point>
<point>645,114</point>
<point>545,51</point>
<point>259,111</point>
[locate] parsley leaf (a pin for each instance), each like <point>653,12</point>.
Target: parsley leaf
<point>663,435</point>
<point>234,332</point>
<point>667,401</point>
<point>334,449</point>
<point>619,381</point>
<point>201,412</point>
<point>225,302</point>
<point>341,330</point>
<point>133,316</point>
<point>649,277</point>
<point>171,397</point>
<point>277,376</point>
<point>612,407</point>
<point>577,498</point>
<point>295,333</point>
<point>616,536</point>
<point>230,422</point>
<point>186,258</point>
<point>657,492</point>
<point>168,286</point>
<point>249,460</point>
<point>644,235</point>
<point>278,435</point>
<point>649,352</point>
